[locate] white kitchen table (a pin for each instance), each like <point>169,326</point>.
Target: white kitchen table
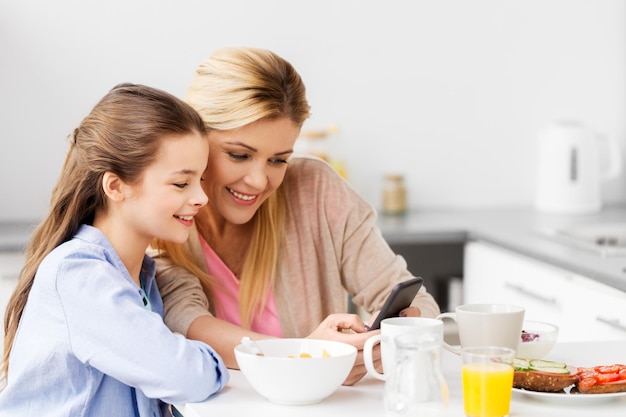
<point>366,397</point>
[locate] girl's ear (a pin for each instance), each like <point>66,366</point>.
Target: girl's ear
<point>113,187</point>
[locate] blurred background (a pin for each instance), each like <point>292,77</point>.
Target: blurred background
<point>449,93</point>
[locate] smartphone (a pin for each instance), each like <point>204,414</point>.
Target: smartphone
<point>400,298</point>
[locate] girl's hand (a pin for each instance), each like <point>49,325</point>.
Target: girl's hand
<point>349,328</point>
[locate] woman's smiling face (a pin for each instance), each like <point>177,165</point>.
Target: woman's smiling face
<point>246,165</point>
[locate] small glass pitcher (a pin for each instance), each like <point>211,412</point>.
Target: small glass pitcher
<point>416,386</point>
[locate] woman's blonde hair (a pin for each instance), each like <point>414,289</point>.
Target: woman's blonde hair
<point>122,135</point>
<point>232,88</point>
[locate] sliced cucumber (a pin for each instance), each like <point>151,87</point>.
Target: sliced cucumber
<point>563,371</point>
<point>542,363</point>
<point>553,367</point>
<point>520,364</point>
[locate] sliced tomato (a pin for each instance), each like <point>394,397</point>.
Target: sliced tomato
<point>618,382</point>
<point>587,383</point>
<point>586,375</point>
<point>622,374</point>
<point>586,370</point>
<point>610,369</point>
<point>604,378</point>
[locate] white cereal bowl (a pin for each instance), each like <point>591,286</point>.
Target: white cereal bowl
<point>283,377</point>
<point>542,344</point>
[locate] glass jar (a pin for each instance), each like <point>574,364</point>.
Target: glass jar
<point>394,194</point>
<point>416,386</point>
<point>324,144</point>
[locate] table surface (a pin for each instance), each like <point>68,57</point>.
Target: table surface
<point>366,397</point>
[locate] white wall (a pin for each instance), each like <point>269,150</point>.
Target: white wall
<point>450,92</point>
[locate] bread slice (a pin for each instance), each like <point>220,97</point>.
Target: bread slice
<point>543,381</point>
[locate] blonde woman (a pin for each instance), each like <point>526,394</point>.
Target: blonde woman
<point>84,328</point>
<point>283,239</point>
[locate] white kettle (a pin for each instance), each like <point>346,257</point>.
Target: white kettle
<point>569,176</point>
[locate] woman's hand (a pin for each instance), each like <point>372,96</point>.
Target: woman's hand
<point>411,312</point>
<point>349,328</point>
<point>407,312</point>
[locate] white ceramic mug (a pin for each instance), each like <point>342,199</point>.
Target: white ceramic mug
<point>486,325</point>
<point>389,329</point>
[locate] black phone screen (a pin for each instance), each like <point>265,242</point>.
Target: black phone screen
<point>400,298</point>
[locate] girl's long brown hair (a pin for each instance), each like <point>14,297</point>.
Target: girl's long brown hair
<point>232,88</point>
<point>122,135</point>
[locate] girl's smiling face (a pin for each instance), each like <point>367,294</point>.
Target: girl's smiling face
<point>170,194</point>
<point>246,165</point>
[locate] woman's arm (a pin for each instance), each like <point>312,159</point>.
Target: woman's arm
<point>186,311</point>
<point>221,336</point>
<point>349,328</point>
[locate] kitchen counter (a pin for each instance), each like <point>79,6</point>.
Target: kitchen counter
<point>15,235</point>
<point>518,229</point>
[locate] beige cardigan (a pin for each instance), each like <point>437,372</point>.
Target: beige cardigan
<point>331,247</point>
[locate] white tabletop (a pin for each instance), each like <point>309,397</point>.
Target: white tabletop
<point>366,397</point>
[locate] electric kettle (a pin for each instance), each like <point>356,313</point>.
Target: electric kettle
<point>569,174</point>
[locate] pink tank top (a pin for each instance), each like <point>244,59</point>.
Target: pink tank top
<point>227,293</point>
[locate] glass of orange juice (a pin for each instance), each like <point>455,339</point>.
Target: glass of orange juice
<point>487,373</point>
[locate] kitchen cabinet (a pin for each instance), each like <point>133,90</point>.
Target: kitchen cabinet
<point>583,309</point>
<point>10,265</point>
<point>440,264</point>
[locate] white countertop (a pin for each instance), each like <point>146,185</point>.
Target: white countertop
<point>366,397</point>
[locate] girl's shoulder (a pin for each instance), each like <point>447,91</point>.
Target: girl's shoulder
<point>87,242</point>
<point>87,249</point>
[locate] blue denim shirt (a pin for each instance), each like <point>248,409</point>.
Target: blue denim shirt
<point>87,346</point>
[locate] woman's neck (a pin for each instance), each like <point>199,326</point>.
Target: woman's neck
<point>228,240</point>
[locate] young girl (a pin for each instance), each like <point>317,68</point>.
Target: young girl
<point>84,334</point>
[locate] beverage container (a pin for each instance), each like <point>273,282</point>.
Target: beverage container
<point>394,194</point>
<point>486,325</point>
<point>487,375</point>
<point>571,169</point>
<point>416,386</point>
<point>325,144</point>
<point>389,329</point>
